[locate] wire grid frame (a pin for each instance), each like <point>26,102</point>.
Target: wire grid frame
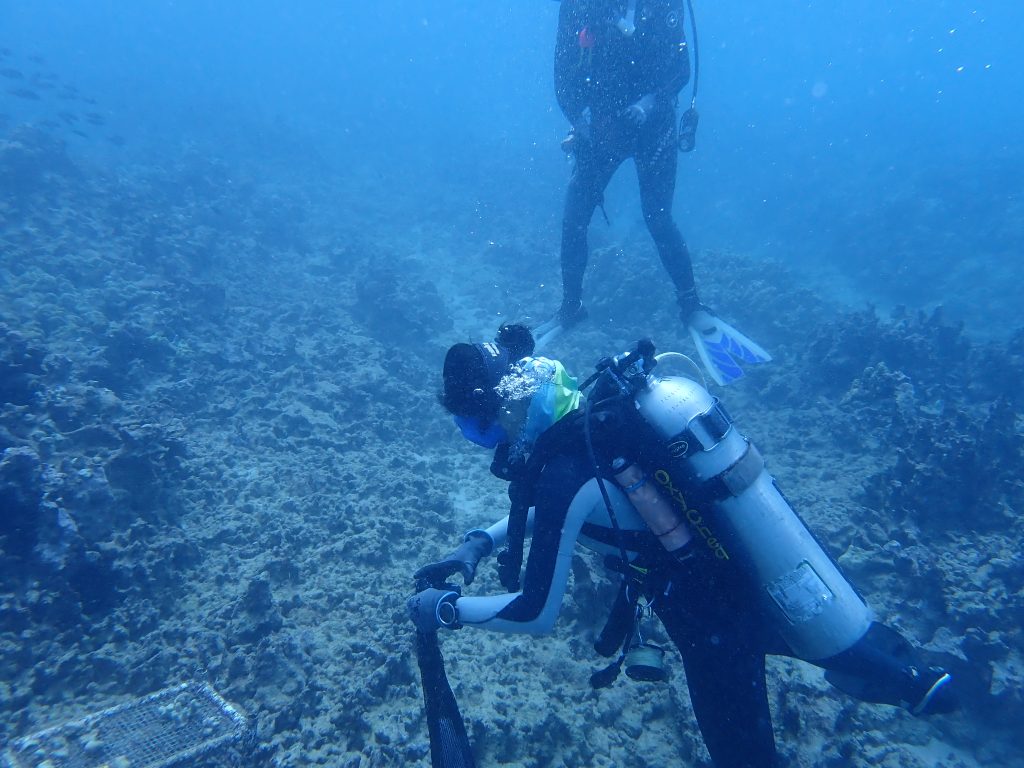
<point>182,723</point>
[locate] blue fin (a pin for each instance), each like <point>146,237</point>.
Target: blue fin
<point>722,348</point>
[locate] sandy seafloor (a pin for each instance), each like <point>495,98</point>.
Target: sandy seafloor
<point>222,459</point>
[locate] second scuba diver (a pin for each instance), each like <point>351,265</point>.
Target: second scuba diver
<point>619,67</point>
<point>652,473</point>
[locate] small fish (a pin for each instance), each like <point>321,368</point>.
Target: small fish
<point>68,117</point>
<point>83,134</point>
<point>11,74</point>
<point>24,93</point>
<point>117,141</point>
<point>37,59</point>
<point>95,118</point>
<point>68,94</point>
<point>49,124</point>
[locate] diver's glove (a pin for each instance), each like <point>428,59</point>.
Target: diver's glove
<point>432,609</point>
<point>579,135</point>
<point>641,110</point>
<point>463,560</point>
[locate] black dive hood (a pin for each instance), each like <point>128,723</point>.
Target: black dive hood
<point>472,371</point>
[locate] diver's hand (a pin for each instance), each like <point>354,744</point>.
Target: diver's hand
<point>578,137</point>
<point>581,133</point>
<point>432,609</point>
<point>641,110</point>
<point>463,560</point>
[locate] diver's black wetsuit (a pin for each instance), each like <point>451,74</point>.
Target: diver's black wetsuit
<point>599,68</point>
<point>708,608</point>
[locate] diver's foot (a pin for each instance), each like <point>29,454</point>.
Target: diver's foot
<point>720,346</point>
<point>689,302</point>
<point>569,315</point>
<point>932,692</point>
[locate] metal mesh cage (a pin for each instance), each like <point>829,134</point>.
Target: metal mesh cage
<point>184,722</point>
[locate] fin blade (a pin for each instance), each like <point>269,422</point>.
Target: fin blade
<point>722,348</point>
<point>705,351</point>
<point>545,334</point>
<point>741,346</point>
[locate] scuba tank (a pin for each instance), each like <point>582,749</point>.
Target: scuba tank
<point>716,480</point>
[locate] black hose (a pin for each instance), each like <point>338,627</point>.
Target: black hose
<point>600,484</point>
<point>696,53</point>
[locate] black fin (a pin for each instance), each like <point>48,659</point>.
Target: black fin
<point>449,742</point>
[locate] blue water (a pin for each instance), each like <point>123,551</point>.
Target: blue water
<point>834,134</point>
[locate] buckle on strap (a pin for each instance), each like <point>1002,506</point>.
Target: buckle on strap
<point>702,433</point>
<point>737,478</point>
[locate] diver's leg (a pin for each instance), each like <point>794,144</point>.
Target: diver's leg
<point>725,673</point>
<point>882,667</point>
<point>656,162</point>
<point>722,349</point>
<point>595,164</point>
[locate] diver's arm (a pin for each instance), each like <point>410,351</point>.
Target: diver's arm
<point>498,533</point>
<point>533,610</point>
<point>568,80</point>
<point>476,545</point>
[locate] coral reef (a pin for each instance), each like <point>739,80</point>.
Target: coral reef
<point>221,458</point>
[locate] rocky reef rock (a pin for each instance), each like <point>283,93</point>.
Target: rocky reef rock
<point>398,304</point>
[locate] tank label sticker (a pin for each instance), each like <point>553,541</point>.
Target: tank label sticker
<point>801,594</point>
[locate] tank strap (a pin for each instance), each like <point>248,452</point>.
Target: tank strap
<point>702,433</point>
<point>634,541</point>
<point>737,478</point>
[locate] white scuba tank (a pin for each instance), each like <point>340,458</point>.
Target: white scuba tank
<point>717,480</point>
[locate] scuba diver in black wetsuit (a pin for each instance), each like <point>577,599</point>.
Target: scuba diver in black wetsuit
<point>619,67</point>
<point>651,472</point>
